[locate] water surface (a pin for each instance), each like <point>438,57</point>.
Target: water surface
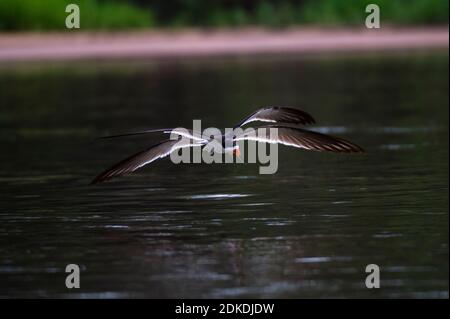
<point>224,230</point>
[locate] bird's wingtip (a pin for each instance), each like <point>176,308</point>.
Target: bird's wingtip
<point>93,182</point>
<point>97,180</point>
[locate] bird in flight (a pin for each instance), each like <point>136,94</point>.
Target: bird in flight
<point>286,135</point>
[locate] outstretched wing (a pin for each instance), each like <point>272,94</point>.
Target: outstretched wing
<point>177,131</point>
<point>279,114</point>
<point>301,138</point>
<point>140,159</point>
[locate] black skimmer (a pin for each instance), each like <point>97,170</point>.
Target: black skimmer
<point>286,135</point>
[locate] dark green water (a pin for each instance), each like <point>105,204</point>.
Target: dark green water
<point>224,230</point>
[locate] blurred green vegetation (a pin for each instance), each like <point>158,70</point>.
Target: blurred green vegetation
<point>126,14</point>
<point>51,14</point>
<point>393,11</point>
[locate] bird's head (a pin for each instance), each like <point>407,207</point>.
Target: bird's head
<point>236,151</point>
<point>233,150</point>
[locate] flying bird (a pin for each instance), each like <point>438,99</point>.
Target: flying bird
<point>286,135</point>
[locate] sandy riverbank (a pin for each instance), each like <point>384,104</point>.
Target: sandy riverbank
<point>196,43</point>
